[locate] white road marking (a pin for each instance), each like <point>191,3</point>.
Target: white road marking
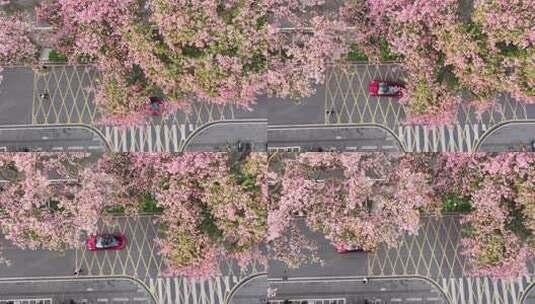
<point>89,289</point>
<point>76,148</point>
<point>352,148</point>
<point>382,289</point>
<point>57,149</point>
<point>102,300</point>
<point>94,147</point>
<point>396,300</point>
<point>141,299</point>
<point>120,299</point>
<point>45,137</point>
<point>413,299</point>
<point>338,137</point>
<point>369,147</point>
<point>388,147</point>
<point>433,299</point>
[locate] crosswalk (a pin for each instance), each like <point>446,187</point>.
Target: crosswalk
<point>445,138</point>
<point>148,138</point>
<point>310,301</point>
<point>482,290</point>
<point>173,290</point>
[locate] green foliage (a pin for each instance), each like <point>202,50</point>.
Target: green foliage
<point>386,53</point>
<point>246,180</point>
<point>446,74</point>
<point>456,204</point>
<point>55,56</point>
<point>209,227</point>
<point>258,63</point>
<point>517,223</point>
<point>149,204</point>
<point>116,209</point>
<point>53,206</point>
<point>355,55</point>
<point>192,52</point>
<point>509,50</point>
<point>228,14</point>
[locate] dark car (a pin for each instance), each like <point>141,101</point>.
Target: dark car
<point>106,241</point>
<point>386,88</point>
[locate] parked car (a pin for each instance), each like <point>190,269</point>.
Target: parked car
<point>106,241</point>
<point>348,249</point>
<point>155,106</point>
<point>386,88</point>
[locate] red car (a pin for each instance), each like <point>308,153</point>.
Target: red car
<point>386,88</point>
<point>106,242</point>
<point>347,249</point>
<point>155,106</point>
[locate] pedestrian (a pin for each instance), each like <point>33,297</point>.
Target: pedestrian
<point>44,95</point>
<point>78,271</point>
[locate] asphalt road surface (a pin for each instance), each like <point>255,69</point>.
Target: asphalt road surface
<point>333,264</point>
<point>51,139</point>
<point>110,290</point>
<point>356,291</point>
<point>329,138</point>
<point>221,135</point>
<point>512,137</point>
<point>342,100</point>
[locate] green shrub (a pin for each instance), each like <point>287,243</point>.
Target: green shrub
<point>56,57</point>
<point>456,204</point>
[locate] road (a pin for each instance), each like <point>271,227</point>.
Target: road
<point>332,263</point>
<point>103,290</point>
<point>342,101</point>
<point>139,260</point>
<point>356,291</point>
<point>16,96</point>
<point>222,135</point>
<point>329,138</point>
<point>517,136</point>
<point>434,253</point>
<point>50,138</point>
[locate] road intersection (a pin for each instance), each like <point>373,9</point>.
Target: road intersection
<point>430,257</point>
<point>63,95</point>
<point>139,261</point>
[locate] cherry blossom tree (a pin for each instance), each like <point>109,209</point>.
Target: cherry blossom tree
<point>498,236</point>
<point>215,206</point>
<point>36,213</point>
<point>354,199</point>
<point>17,43</point>
<point>212,51</point>
<point>409,29</point>
<point>447,53</point>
